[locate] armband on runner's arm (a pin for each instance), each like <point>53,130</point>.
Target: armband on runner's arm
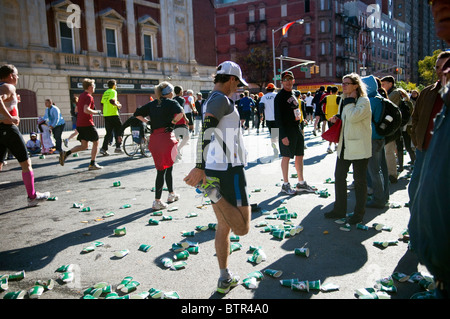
<point>209,124</point>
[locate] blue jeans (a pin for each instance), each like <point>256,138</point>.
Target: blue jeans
<point>415,176</point>
<point>57,133</point>
<point>378,173</point>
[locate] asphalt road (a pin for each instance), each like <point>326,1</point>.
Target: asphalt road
<point>41,239</point>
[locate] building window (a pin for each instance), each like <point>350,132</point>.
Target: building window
<point>308,50</point>
<point>231,17</point>
<point>148,48</point>
<point>307,28</point>
<point>307,6</point>
<point>232,37</point>
<point>284,10</point>
<point>251,14</point>
<point>67,44</point>
<point>322,26</point>
<point>262,14</point>
<point>111,46</point>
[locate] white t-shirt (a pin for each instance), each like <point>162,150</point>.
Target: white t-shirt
<point>308,100</point>
<point>187,106</point>
<point>269,110</point>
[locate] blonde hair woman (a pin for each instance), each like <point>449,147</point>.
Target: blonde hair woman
<point>163,114</point>
<point>354,148</point>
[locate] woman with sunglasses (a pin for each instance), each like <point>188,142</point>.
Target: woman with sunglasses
<point>354,148</point>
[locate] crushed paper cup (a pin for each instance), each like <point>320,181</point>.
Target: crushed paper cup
<point>250,282</point>
<point>257,274</point>
<point>126,280</point>
<point>121,253</point>
<point>35,292</point>
<point>15,294</point>
<point>177,265</point>
<point>65,268</point>
<point>400,277</point>
<point>167,262</point>
<point>171,295</point>
<point>67,276</point>
<point>329,287</point>
<point>131,286</point>
<point>156,293</point>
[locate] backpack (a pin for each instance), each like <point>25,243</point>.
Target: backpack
<point>406,108</point>
<point>390,120</point>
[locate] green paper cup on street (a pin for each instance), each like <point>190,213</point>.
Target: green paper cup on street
<point>377,226</point>
<point>201,228</point>
<point>171,295</point>
<point>4,283</point>
<point>158,213</point>
<point>126,280</point>
<point>181,255</point>
<point>282,210</point>
<point>176,247</point>
<point>17,276</point>
<point>94,292</point>
<point>279,233</point>
<point>152,221</point>
<point>304,252</point>
<point>67,276</point>
<point>85,209</point>
<point>300,286</point>
<point>125,206</point>
<point>167,262</point>
<point>382,244</point>
<point>234,238</point>
<point>346,227</point>
<point>315,285</point>
<point>155,293</point>
<point>48,285</point>
<point>273,273</point>
<point>145,248</point>
<point>190,215</point>
<point>77,205</point>
<point>121,253</point>
<point>258,256</point>
<point>235,246</point>
<point>116,184</point>
<point>188,234</point>
<point>212,226</point>
<point>131,286</point>
<point>167,218</point>
<point>193,250</point>
<point>65,268</point>
<point>120,231</point>
<point>288,282</point>
<point>250,282</point>
<point>257,274</point>
<point>177,265</point>
<point>109,214</point>
<point>15,294</point>
<point>362,227</point>
<point>35,292</point>
<point>113,295</point>
<point>400,277</point>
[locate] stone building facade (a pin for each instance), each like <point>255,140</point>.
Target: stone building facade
<point>55,44</point>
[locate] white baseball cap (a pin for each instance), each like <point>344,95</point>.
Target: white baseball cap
<point>231,68</point>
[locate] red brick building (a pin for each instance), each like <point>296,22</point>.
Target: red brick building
<point>244,25</point>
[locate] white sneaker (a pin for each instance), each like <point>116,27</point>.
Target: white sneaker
<point>95,167</point>
<point>157,205</point>
<point>173,198</point>
<point>40,197</point>
<point>286,188</point>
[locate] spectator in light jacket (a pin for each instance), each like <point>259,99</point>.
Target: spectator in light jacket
<point>55,122</point>
<point>354,148</point>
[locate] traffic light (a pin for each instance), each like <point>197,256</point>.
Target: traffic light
<point>314,69</point>
<point>396,71</point>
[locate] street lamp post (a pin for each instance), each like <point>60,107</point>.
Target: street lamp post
<point>300,21</point>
